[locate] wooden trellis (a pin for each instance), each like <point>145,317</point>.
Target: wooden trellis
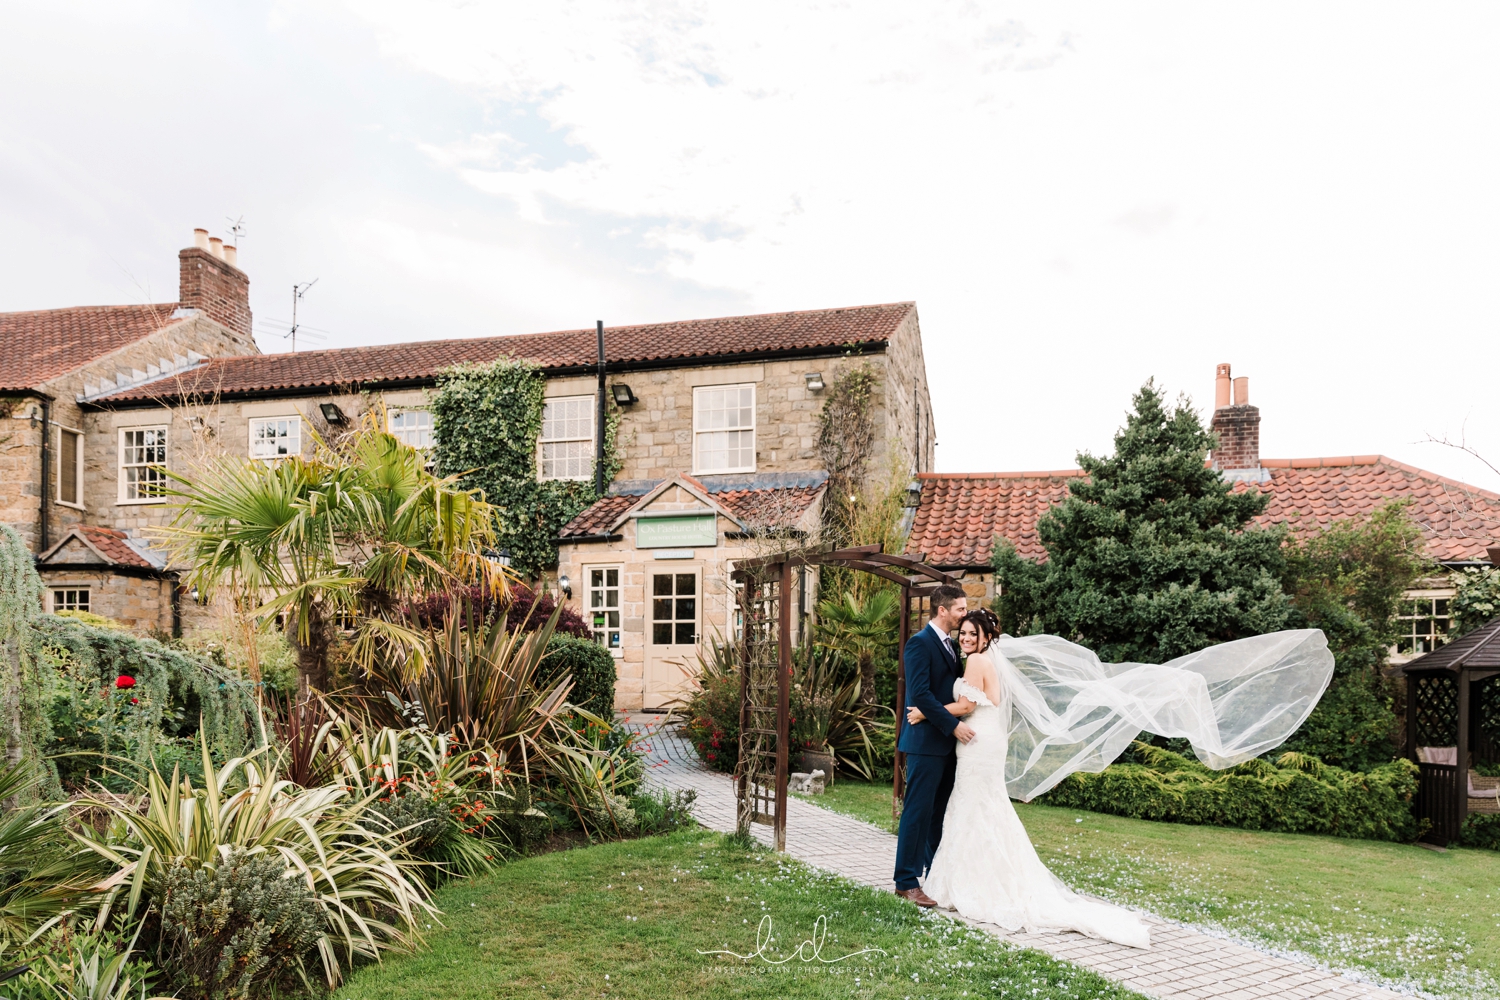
<point>765,661</point>
<point>1453,701</point>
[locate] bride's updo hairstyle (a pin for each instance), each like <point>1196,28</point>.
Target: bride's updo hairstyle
<point>987,624</point>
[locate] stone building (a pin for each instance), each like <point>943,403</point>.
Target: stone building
<point>961,515</point>
<point>718,420</point>
<point>59,485</point>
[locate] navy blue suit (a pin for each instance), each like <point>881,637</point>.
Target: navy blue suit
<point>931,753</point>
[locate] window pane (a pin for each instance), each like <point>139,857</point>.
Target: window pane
<point>662,585</point>
<point>686,583</point>
<point>596,578</point>
<point>687,607</point>
<point>661,633</point>
<point>276,437</point>
<point>612,578</point>
<point>412,427</point>
<point>661,609</point>
<point>67,468</point>
<point>685,633</point>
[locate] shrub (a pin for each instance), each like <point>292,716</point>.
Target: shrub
<point>525,610</point>
<point>239,924</point>
<point>713,725</point>
<point>1477,600</point>
<point>1297,794</point>
<point>592,668</point>
<point>663,812</point>
<point>1481,830</point>
<point>1354,725</point>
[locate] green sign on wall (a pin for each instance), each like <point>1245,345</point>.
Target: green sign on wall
<point>676,532</point>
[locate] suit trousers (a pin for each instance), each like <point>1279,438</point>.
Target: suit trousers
<point>929,783</point>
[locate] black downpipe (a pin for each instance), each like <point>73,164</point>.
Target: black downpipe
<point>176,584</point>
<point>45,535</point>
<point>599,483</point>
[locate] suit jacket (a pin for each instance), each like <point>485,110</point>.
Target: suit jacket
<point>930,674</point>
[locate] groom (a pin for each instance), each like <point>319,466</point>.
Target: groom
<point>930,746</point>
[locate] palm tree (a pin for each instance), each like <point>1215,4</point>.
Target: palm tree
<point>860,629</point>
<point>354,533</point>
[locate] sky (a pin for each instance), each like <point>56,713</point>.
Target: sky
<point>1078,196</point>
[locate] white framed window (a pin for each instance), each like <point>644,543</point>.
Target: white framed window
<point>567,438</point>
<point>70,599</point>
<point>275,437</point>
<point>412,427</point>
<point>143,464</point>
<point>70,467</point>
<point>724,428</point>
<point>1422,622</point>
<point>604,607</point>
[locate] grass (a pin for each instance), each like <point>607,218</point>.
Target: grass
<point>633,919</point>
<point>1396,912</point>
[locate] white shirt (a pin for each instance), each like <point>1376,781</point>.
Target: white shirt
<point>947,642</point>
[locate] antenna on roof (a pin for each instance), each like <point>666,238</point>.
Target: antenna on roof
<point>237,227</point>
<point>298,291</point>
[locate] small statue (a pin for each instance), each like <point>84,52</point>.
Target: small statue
<point>806,784</point>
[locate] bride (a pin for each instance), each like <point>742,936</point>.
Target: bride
<point>1041,708</point>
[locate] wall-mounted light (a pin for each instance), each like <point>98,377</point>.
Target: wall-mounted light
<point>623,395</point>
<point>502,557</point>
<point>565,585</point>
<point>814,381</point>
<point>332,413</point>
<point>913,494</point>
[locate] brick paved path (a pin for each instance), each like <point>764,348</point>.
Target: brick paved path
<point>1182,964</point>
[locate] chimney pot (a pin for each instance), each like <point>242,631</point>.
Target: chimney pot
<point>200,239</point>
<point>216,247</point>
<point>231,254</point>
<point>1242,391</point>
<point>1221,386</point>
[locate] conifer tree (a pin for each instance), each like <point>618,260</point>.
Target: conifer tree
<point>1153,556</point>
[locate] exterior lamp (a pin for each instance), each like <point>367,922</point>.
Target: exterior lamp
<point>913,494</point>
<point>814,381</point>
<point>565,585</point>
<point>332,413</point>
<point>623,395</point>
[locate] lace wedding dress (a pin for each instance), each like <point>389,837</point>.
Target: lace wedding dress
<point>985,866</point>
<point>1063,711</point>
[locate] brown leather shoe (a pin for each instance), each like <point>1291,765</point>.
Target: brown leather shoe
<point>917,896</point>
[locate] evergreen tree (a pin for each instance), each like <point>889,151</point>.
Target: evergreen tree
<point>1152,556</point>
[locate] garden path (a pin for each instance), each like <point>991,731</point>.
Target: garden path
<point>1182,964</point>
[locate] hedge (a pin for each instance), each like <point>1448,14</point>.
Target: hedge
<point>1297,794</point>
<point>593,671</point>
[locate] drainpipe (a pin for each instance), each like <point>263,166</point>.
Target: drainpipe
<point>175,582</point>
<point>599,483</point>
<point>45,535</point>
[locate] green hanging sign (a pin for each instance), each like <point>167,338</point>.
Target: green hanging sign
<point>677,532</point>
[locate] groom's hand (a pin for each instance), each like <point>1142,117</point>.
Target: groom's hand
<point>964,732</point>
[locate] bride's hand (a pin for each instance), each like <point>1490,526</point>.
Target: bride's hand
<point>914,715</point>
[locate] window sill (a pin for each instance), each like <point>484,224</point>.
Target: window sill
<point>71,506</point>
<point>723,472</point>
<point>141,502</point>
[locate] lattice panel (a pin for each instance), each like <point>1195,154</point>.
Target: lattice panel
<point>760,605</point>
<point>1485,735</point>
<point>1436,713</point>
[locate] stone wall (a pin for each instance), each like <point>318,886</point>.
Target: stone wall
<point>142,603</point>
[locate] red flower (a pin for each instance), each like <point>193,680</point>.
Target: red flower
<point>124,681</point>
<point>134,700</point>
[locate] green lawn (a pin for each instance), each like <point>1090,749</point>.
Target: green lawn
<point>631,920</point>
<point>1400,912</point>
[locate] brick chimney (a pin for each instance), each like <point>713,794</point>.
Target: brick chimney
<point>208,280</point>
<point>1237,424</point>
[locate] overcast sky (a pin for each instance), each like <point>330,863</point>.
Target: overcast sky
<point>1077,196</point>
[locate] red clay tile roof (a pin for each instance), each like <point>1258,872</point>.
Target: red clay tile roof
<point>112,544</point>
<point>776,508</point>
<point>960,515</point>
<point>756,508</point>
<point>596,519</point>
<point>41,345</point>
<point>421,361</point>
<point>1459,520</point>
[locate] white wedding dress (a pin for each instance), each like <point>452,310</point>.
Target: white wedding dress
<point>1061,711</point>
<point>985,866</point>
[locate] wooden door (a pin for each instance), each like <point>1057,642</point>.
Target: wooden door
<point>675,610</point>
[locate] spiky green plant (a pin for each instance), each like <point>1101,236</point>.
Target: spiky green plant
<point>366,884</point>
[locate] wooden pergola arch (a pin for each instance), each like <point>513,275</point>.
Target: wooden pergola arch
<point>765,664</point>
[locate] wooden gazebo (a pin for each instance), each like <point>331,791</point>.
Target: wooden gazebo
<point>767,585</point>
<point>1452,723</point>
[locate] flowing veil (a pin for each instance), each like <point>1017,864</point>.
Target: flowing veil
<point>1234,701</point>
